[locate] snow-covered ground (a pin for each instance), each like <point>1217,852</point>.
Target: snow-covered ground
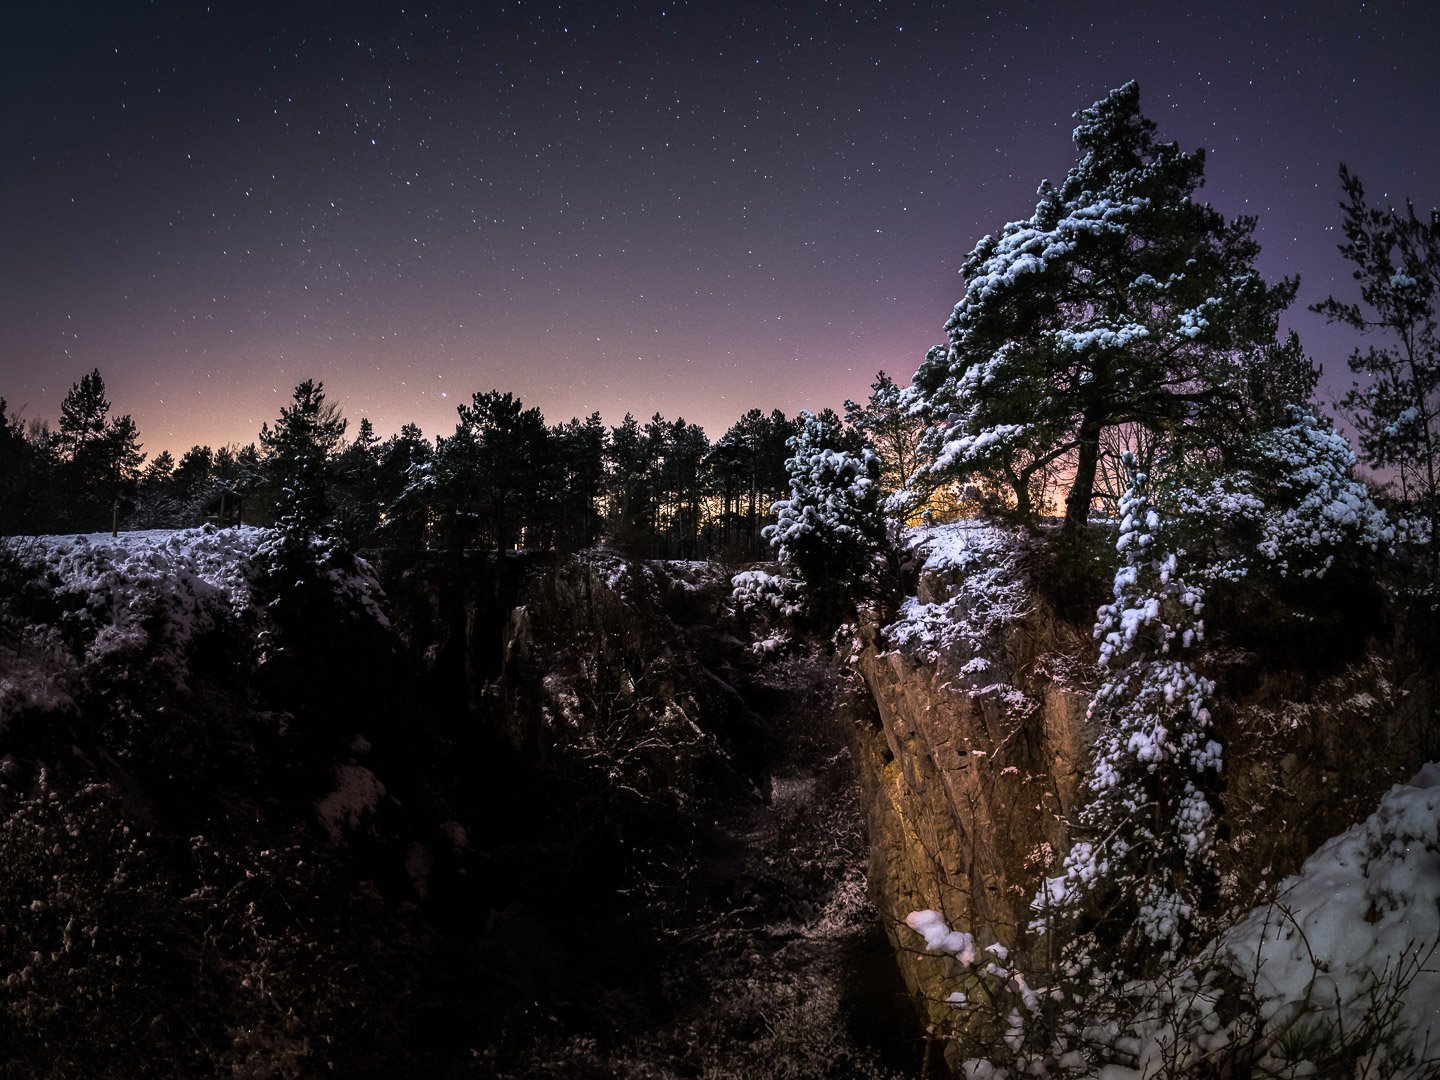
<point>1340,971</point>
<point>970,586</point>
<point>120,574</point>
<point>140,593</point>
<point>144,596</point>
<point>1358,926</point>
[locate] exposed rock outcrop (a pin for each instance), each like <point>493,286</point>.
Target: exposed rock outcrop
<point>966,782</point>
<point>969,732</point>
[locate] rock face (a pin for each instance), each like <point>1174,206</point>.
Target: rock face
<point>970,737</point>
<point>966,784</point>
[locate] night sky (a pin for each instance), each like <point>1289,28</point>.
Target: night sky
<point>690,208</point>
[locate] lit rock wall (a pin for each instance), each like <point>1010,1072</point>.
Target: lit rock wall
<point>969,771</point>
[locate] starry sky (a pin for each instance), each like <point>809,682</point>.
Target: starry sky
<point>695,208</point>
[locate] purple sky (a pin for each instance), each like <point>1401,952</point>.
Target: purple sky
<point>694,209</point>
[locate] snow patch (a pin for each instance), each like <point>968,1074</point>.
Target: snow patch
<point>356,794</point>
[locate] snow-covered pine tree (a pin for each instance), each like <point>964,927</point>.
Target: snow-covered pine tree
<point>1121,300</point>
<point>830,527</point>
<point>1289,506</point>
<point>1144,837</point>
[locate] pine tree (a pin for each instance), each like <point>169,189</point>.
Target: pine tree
<point>830,527</point>
<point>101,458</point>
<point>84,419</point>
<point>82,447</point>
<point>1396,409</point>
<point>297,452</point>
<point>400,455</point>
<point>504,451</point>
<point>405,483</point>
<point>1121,300</point>
<point>357,487</point>
<point>122,457</point>
<point>888,428</point>
<point>751,456</point>
<point>632,465</point>
<point>725,467</point>
<point>161,469</point>
<point>22,471</point>
<point>580,478</point>
<point>1145,835</point>
<point>366,441</point>
<point>682,479</point>
<point>157,501</point>
<point>194,466</point>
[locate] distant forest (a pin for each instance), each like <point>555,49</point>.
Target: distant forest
<point>504,479</point>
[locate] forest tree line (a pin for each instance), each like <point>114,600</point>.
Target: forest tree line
<point>504,479</point>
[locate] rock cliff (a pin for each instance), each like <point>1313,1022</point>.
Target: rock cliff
<point>969,733</point>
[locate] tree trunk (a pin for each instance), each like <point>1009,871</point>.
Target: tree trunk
<point>1082,489</point>
<point>1020,485</point>
<point>751,537</point>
